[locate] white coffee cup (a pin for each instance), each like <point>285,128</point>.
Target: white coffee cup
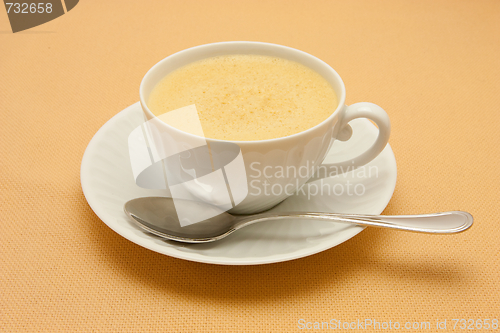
<point>300,154</point>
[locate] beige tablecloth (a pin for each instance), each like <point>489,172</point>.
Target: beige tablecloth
<point>433,65</point>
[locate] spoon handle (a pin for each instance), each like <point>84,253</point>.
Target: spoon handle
<point>436,223</point>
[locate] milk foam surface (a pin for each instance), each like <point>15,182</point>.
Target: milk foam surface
<point>247,97</point>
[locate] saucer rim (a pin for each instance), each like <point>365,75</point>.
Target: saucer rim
<point>196,257</point>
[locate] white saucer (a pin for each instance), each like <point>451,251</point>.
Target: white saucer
<point>107,183</point>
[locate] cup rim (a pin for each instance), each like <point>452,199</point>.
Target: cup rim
<point>341,98</point>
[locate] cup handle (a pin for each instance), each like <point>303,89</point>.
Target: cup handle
<point>359,110</point>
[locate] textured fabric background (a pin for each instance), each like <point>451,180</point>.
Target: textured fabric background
<point>433,65</point>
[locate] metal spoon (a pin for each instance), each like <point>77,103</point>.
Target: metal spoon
<point>158,216</point>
